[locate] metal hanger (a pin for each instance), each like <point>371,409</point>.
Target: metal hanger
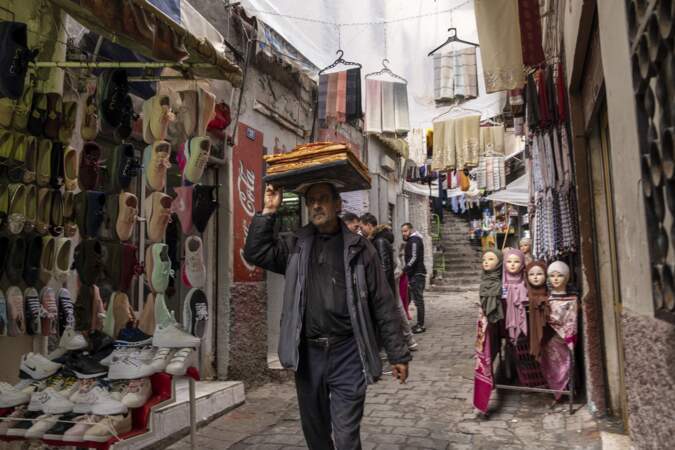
<point>339,61</point>
<point>490,121</point>
<point>452,38</point>
<point>457,108</point>
<point>386,71</point>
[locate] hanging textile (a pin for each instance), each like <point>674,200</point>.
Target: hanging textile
<point>492,136</point>
<point>530,32</point>
<point>455,76</point>
<point>501,50</point>
<point>467,140</point>
<point>339,97</point>
<point>417,147</point>
<point>386,107</point>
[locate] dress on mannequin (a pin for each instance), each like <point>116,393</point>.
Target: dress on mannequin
<point>515,293</point>
<point>537,295</point>
<point>490,314</point>
<point>556,358</point>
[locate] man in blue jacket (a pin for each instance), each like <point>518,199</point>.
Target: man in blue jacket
<point>337,307</point>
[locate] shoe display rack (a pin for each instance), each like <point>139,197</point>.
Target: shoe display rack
<point>91,198</point>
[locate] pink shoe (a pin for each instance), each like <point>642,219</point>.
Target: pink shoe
<point>182,207</point>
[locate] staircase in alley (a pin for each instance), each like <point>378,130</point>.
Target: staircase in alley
<point>456,258</point>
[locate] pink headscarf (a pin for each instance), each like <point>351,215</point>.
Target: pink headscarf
<point>516,297</point>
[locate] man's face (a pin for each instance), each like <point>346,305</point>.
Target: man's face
<point>368,230</point>
<point>405,232</point>
<point>354,226</point>
<point>322,207</point>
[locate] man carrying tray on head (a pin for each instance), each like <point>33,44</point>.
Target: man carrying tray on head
<point>337,309</point>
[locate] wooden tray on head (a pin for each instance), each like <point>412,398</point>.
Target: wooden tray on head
<point>315,163</point>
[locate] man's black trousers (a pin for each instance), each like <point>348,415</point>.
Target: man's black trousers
<point>416,291</point>
<point>331,390</point>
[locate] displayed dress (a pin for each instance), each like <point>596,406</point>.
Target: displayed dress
<point>556,355</point>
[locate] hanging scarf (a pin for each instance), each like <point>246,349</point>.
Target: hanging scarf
<point>539,310</point>
<point>491,290</point>
<point>516,298</point>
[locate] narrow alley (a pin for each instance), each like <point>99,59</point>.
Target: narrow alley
<point>432,411</point>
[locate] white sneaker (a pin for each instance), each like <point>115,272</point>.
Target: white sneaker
<point>72,340</point>
<point>194,269</point>
<point>161,359</point>
<point>41,426</point>
<point>181,361</point>
<point>37,366</point>
<point>119,352</point>
<point>81,397</point>
<point>173,336</point>
<point>197,151</point>
<point>98,401</point>
<point>137,393</point>
<point>10,396</point>
<point>49,401</point>
<point>129,367</point>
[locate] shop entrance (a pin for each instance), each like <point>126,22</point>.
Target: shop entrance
<point>607,278</point>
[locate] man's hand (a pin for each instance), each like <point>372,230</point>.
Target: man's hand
<point>400,372</point>
<point>273,197</point>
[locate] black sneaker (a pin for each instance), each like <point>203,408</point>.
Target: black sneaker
<point>38,115</point>
<point>195,312</point>
<point>57,174</point>
<point>14,58</point>
<point>20,427</point>
<point>88,261</point>
<point>127,118</point>
<point>65,423</point>
<point>204,203</point>
<point>16,260</point>
<point>100,345</point>
<point>66,310</point>
<point>89,212</point>
<point>417,329</point>
<point>31,268</point>
<point>32,311</point>
<point>132,336</point>
<point>112,93</point>
<point>122,167</point>
<point>85,366</point>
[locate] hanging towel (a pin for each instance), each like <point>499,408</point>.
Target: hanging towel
<point>450,145</point>
<point>373,106</point>
<point>331,102</point>
<point>354,110</point>
<point>401,116</point>
<point>455,75</point>
<point>501,51</point>
<point>467,141</point>
<point>323,93</point>
<point>388,114</point>
<point>494,136</point>
<point>530,32</point>
<point>438,155</point>
<point>342,97</point>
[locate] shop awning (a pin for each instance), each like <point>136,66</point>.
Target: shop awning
<point>421,189</point>
<point>178,18</point>
<point>516,193</point>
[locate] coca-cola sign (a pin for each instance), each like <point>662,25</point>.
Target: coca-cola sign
<point>248,191</point>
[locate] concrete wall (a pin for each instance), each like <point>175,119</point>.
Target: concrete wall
<point>420,217</point>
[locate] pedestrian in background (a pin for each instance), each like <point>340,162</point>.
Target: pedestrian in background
<point>416,271</point>
<point>383,239</point>
<point>352,222</point>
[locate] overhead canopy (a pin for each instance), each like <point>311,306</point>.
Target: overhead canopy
<point>516,193</point>
<point>176,18</point>
<point>412,29</point>
<point>421,189</point>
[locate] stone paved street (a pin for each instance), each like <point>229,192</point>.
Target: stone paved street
<point>432,411</point>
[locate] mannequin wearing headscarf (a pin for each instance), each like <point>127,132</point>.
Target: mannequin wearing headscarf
<point>516,296</point>
<point>491,290</point>
<point>539,310</point>
<point>525,246</point>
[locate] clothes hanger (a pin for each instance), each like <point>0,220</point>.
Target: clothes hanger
<point>457,108</point>
<point>490,121</point>
<point>386,71</point>
<point>339,61</point>
<point>452,38</point>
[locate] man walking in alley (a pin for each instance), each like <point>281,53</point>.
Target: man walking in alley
<point>383,239</point>
<point>337,307</point>
<point>417,273</point>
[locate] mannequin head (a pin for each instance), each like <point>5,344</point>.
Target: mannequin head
<point>525,245</point>
<point>536,273</point>
<point>514,261</point>
<point>558,275</point>
<point>492,260</point>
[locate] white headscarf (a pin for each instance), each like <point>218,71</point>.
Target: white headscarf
<point>560,267</point>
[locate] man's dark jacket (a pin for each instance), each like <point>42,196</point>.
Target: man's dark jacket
<point>383,242</point>
<point>371,308</point>
<point>414,256</point>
